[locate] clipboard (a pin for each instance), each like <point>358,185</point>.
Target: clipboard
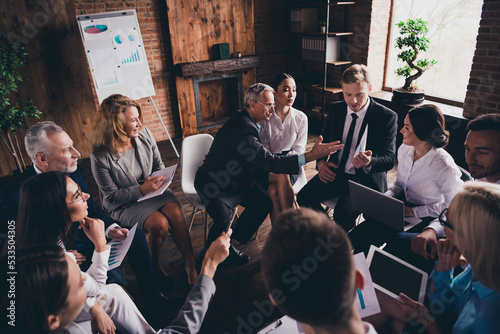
<point>168,173</point>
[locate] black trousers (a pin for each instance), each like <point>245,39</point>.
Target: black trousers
<point>316,191</point>
<point>257,206</point>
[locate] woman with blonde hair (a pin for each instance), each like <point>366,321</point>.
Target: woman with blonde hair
<point>124,156</point>
<point>472,224</point>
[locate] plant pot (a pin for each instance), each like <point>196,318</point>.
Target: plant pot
<point>407,97</point>
<point>322,29</point>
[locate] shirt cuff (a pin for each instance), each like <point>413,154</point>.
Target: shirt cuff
<point>112,226</point>
<point>436,226</point>
<point>367,169</point>
<point>302,159</point>
<point>101,257</point>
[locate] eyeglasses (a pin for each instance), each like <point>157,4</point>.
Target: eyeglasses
<point>443,219</point>
<point>79,196</point>
<point>267,105</point>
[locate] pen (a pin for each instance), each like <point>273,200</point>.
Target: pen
<point>361,299</point>
<point>279,323</point>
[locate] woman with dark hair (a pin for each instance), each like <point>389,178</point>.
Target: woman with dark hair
<point>124,156</point>
<point>46,218</point>
<point>428,177</point>
<point>52,293</point>
<point>284,133</point>
<point>49,203</point>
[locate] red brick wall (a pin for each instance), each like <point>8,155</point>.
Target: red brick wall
<point>152,16</point>
<point>483,91</point>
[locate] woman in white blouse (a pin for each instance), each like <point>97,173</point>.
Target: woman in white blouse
<point>428,177</point>
<point>284,133</point>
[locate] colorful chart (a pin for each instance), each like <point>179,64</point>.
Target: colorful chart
<point>112,80</point>
<point>119,39</point>
<point>134,57</point>
<point>95,29</point>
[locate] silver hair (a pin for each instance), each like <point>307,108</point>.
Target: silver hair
<point>36,139</point>
<point>254,91</point>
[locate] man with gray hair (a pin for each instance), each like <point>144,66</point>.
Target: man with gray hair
<point>51,149</point>
<point>226,178</point>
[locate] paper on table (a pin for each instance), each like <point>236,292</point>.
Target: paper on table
<point>366,299</point>
<point>119,249</point>
<point>169,173</point>
<point>284,325</point>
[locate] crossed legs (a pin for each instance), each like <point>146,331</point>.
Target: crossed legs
<point>156,228</point>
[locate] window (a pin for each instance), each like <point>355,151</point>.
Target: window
<point>453,26</point>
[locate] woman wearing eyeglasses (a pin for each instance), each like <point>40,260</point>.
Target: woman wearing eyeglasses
<point>125,155</point>
<point>285,133</point>
<point>473,230</point>
<point>48,204</point>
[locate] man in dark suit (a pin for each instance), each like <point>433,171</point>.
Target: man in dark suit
<point>368,131</point>
<point>226,178</point>
<point>51,149</point>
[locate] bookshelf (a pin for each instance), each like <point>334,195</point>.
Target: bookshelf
<point>317,59</point>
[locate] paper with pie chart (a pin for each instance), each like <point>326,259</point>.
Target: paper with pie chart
<point>116,54</point>
<point>96,30</point>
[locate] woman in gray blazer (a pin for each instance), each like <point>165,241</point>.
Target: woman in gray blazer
<point>124,156</point>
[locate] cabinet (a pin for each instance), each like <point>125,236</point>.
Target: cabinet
<point>317,59</point>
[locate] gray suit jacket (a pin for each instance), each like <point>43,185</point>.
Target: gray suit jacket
<point>117,185</point>
<point>192,313</point>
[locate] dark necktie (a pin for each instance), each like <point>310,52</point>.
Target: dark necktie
<point>348,143</point>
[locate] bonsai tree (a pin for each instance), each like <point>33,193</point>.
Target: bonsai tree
<point>412,41</point>
<point>13,115</point>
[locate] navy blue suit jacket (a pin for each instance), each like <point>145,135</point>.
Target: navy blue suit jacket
<point>381,139</point>
<point>228,170</point>
<point>9,201</point>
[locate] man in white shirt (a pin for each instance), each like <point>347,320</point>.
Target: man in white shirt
<point>309,273</point>
<point>482,154</point>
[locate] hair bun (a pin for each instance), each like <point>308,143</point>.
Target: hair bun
<point>439,138</point>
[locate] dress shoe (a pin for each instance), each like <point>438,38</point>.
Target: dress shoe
<point>236,257</point>
<point>159,302</point>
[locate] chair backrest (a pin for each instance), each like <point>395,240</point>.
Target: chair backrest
<point>194,150</point>
<point>465,174</point>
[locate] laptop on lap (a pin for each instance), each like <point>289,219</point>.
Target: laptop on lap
<point>380,207</point>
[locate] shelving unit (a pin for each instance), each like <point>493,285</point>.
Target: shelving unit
<point>317,61</point>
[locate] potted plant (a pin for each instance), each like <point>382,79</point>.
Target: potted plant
<point>322,26</point>
<point>412,41</point>
<point>13,115</point>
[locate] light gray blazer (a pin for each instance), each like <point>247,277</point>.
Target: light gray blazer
<point>117,185</point>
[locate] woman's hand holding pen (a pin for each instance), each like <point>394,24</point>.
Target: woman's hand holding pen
<point>152,183</point>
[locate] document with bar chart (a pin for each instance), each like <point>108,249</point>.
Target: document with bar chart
<point>116,54</point>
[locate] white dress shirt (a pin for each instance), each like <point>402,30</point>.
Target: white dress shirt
<point>349,168</point>
<point>290,135</point>
<point>430,183</point>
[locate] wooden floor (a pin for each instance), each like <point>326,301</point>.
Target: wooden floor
<point>240,304</point>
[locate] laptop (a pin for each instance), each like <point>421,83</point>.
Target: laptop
<point>409,279</point>
<point>381,207</point>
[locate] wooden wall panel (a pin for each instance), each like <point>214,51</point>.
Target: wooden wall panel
<point>195,26</point>
<point>57,81</point>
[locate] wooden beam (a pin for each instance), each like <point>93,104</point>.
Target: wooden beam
<point>208,67</point>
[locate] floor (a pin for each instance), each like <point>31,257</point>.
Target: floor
<point>240,304</point>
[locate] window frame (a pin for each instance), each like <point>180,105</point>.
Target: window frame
<point>386,65</point>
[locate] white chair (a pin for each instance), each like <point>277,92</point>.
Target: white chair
<point>194,150</point>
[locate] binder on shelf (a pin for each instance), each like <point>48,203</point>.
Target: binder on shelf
<point>313,48</point>
<point>304,20</point>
